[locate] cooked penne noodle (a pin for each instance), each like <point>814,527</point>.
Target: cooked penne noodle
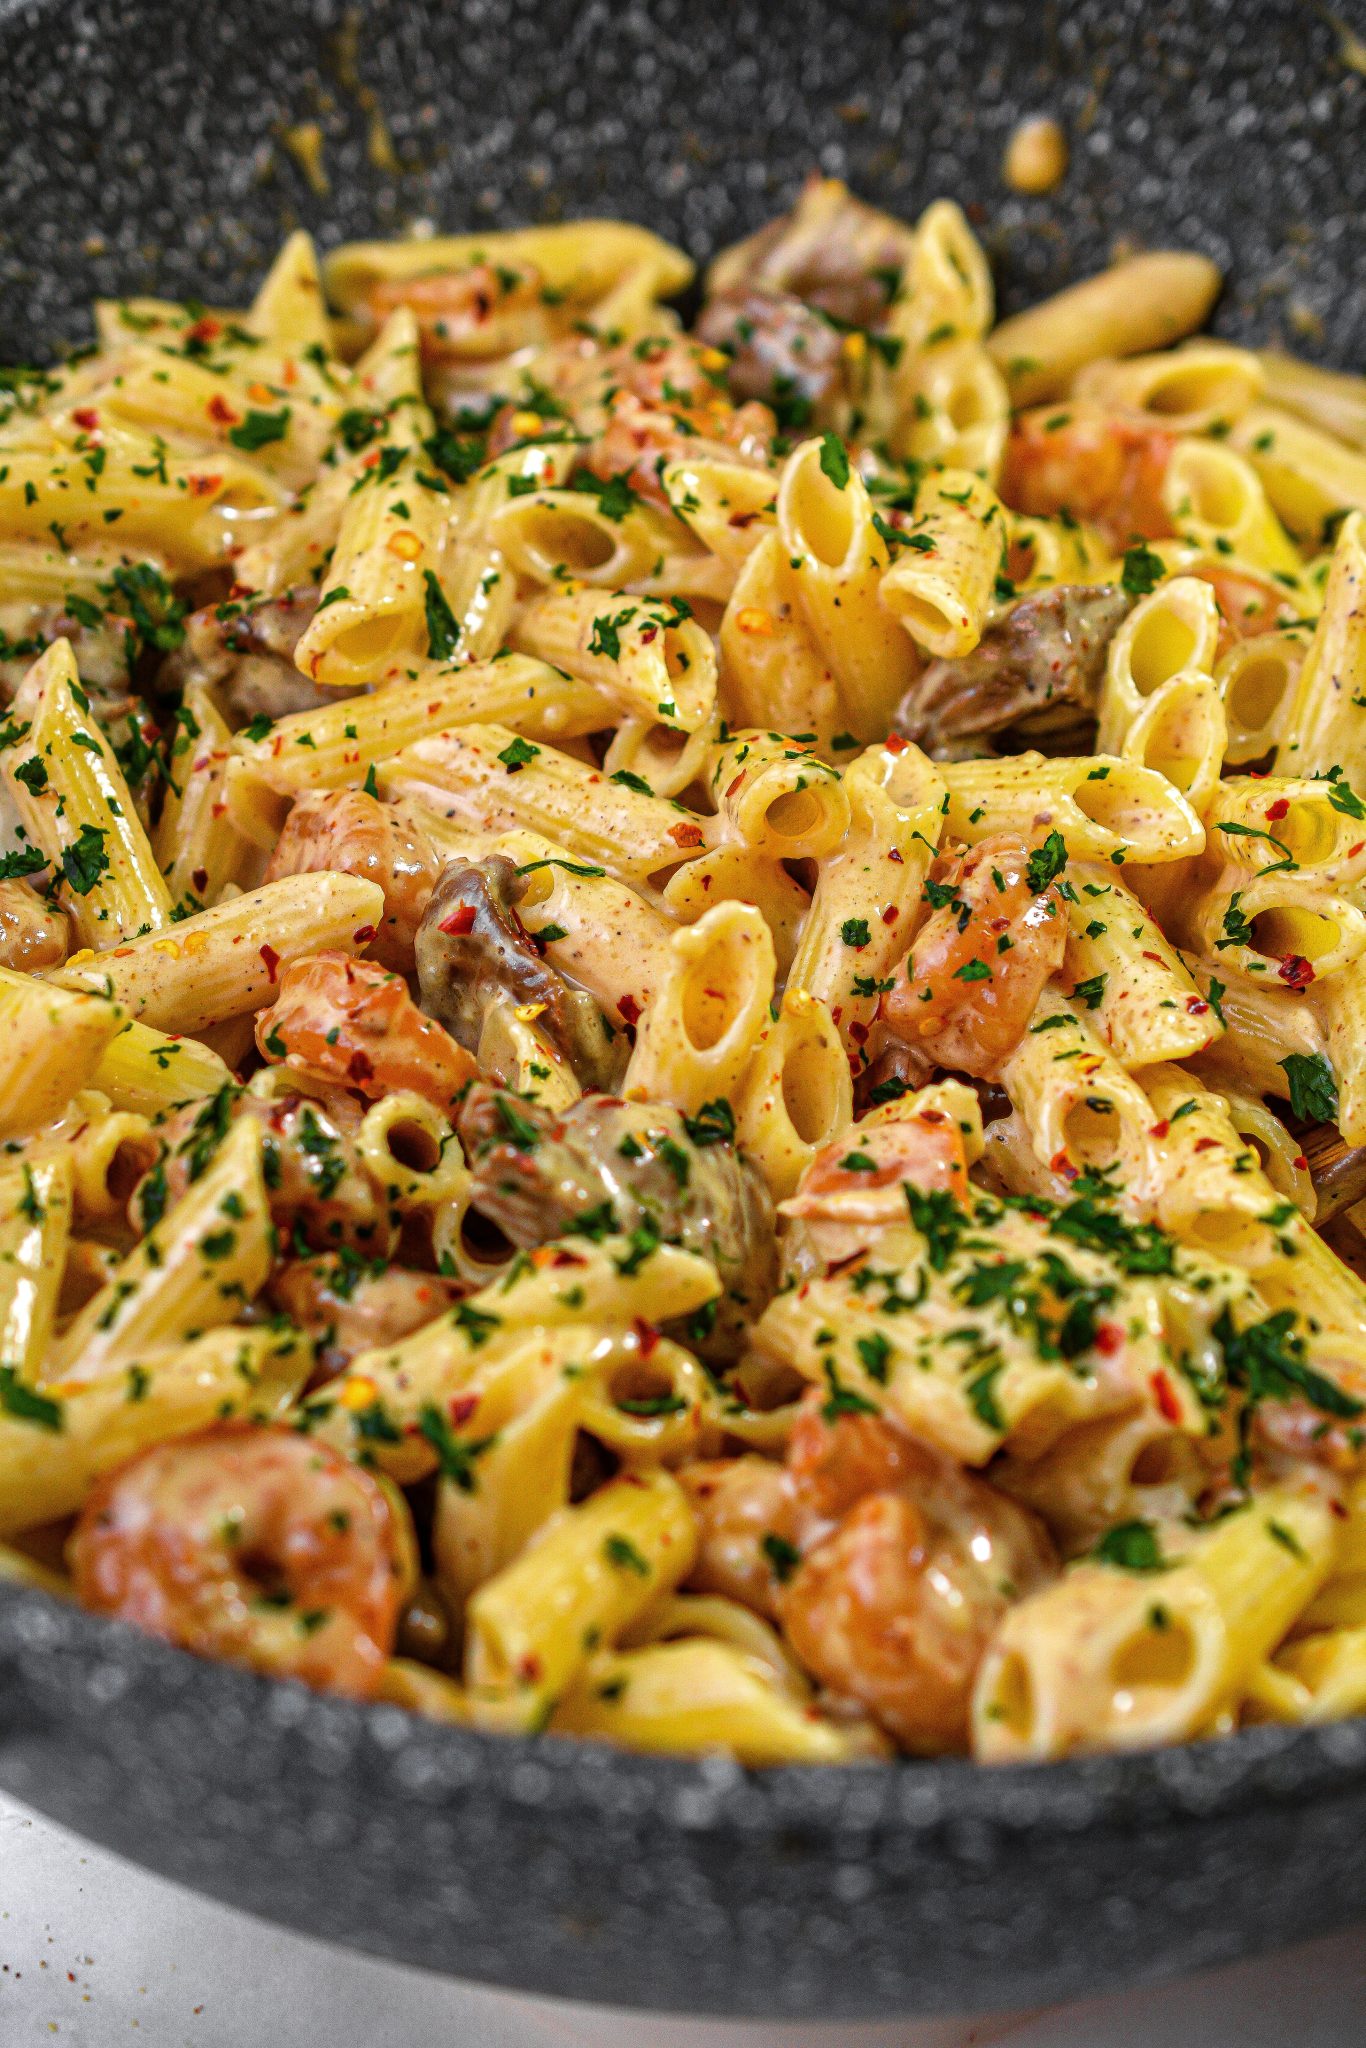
<point>69,792</point>
<point>52,1042</point>
<point>1145,302</point>
<point>1105,809</point>
<point>35,1229</point>
<point>681,1214</point>
<point>219,964</point>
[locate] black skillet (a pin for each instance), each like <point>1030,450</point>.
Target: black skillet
<point>143,152</point>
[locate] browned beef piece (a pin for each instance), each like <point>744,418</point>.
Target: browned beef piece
<point>1047,653</point>
<point>603,1165</point>
<point>473,947</point>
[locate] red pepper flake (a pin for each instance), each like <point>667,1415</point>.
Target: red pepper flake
<point>219,409</point>
<point>648,633</point>
<point>1159,1130</point>
<point>1109,1338</point>
<point>1295,971</point>
<point>1168,1405</point>
<point>363,934</point>
<point>87,417</point>
<point>529,1668</point>
<point>1060,1163</point>
<point>1205,1144</point>
<point>858,1032</point>
<point>203,486</point>
<point>647,1335</point>
<point>742,519</point>
<point>1300,1161</point>
<point>204,329</point>
<point>461,1408</point>
<point>894,855</point>
<point>460,921</point>
<point>1155,956</point>
<point>272,960</point>
<point>736,782</point>
<point>890,914</point>
<point>894,743</point>
<point>1280,809</point>
<point>1353,851</point>
<point>628,1009</point>
<point>1196,1006</point>
<point>360,1067</point>
<point>686,835</point>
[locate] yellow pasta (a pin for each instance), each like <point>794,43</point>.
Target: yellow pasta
<point>678,1215</point>
<point>70,794</point>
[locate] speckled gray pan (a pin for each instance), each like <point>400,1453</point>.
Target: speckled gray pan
<point>142,151</point>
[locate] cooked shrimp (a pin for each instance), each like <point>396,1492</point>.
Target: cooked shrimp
<point>895,1606</point>
<point>835,1461</point>
<point>475,313</point>
<point>1248,605</point>
<point>746,1526</point>
<point>253,1544</point>
<point>639,439</point>
<point>1092,464</point>
<point>348,1306</point>
<point>353,1023</point>
<point>926,1150</point>
<point>33,934</point>
<point>978,963</point>
<point>346,832</point>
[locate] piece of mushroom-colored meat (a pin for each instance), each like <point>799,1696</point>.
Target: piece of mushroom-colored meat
<point>832,251</point>
<point>33,934</point>
<point>780,350</point>
<point>345,831</point>
<point>248,656</point>
<point>624,1166</point>
<point>348,1305</point>
<point>472,947</point>
<point>978,964</point>
<point>1049,650</point>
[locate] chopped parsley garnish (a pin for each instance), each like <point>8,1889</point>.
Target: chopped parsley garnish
<point>1131,1547</point>
<point>622,1552</point>
<point>85,861</point>
<point>1313,1087</point>
<point>455,1455</point>
<point>714,1123</point>
<point>443,633</point>
<point>783,1557</point>
<point>259,429</point>
<point>835,460</point>
<point>26,1404</point>
<point>1046,863</point>
<point>1143,570</point>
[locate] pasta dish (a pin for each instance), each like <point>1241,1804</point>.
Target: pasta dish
<point>683,1050</point>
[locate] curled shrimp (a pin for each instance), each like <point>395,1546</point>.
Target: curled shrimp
<point>1092,464</point>
<point>352,1022</point>
<point>252,1544</point>
<point>895,1603</point>
<point>979,962</point>
<point>346,832</point>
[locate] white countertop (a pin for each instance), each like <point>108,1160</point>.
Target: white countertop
<point>93,1952</point>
